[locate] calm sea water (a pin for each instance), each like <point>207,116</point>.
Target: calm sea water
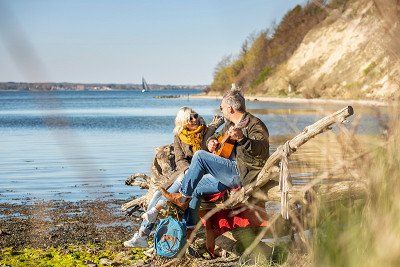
<point>82,145</point>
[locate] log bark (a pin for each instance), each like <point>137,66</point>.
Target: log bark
<point>326,192</point>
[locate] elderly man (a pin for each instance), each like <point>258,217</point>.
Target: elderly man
<point>251,149</point>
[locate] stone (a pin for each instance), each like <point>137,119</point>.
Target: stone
<point>106,262</point>
<point>90,264</point>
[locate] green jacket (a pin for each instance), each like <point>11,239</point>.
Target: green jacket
<point>253,150</point>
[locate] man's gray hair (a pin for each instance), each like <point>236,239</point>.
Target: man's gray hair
<point>235,99</point>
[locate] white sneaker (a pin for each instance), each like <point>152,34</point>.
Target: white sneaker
<point>137,241</point>
<point>151,215</point>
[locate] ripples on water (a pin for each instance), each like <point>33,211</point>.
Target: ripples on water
<point>82,145</point>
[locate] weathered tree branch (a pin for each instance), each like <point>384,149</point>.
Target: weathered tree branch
<point>141,201</point>
<point>309,132</point>
<point>329,192</point>
<point>138,179</point>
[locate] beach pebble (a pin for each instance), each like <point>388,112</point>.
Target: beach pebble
<point>105,261</point>
<point>121,257</point>
<point>90,264</point>
<point>3,233</point>
<point>140,263</point>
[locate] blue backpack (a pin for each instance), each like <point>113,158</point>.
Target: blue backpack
<point>170,237</point>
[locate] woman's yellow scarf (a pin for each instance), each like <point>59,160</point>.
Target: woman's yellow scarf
<point>192,138</point>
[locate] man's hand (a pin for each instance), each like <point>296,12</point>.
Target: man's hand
<point>235,134</point>
<point>212,145</point>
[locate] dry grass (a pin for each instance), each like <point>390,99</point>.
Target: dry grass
<point>355,233</point>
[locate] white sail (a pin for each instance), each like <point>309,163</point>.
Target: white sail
<point>145,86</point>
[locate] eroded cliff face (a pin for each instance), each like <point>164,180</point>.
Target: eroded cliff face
<point>349,55</point>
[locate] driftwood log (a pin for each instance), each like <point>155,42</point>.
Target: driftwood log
<point>163,168</point>
<point>309,132</point>
<point>268,172</point>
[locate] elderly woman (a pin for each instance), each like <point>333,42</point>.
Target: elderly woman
<point>190,135</point>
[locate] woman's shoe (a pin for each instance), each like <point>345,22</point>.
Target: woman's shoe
<point>137,241</point>
<point>178,199</point>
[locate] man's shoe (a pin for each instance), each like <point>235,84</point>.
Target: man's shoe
<point>137,241</point>
<point>176,199</point>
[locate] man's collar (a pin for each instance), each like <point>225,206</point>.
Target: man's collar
<point>244,116</point>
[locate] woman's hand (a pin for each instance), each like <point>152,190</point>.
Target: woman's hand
<point>212,145</point>
<point>217,121</point>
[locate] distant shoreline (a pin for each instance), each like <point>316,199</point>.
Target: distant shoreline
<point>66,86</point>
<point>98,90</point>
<point>303,100</point>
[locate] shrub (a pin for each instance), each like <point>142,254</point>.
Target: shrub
<point>263,75</point>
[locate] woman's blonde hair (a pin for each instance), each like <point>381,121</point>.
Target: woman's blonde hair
<point>183,118</point>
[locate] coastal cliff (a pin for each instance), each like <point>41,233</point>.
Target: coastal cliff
<point>350,52</point>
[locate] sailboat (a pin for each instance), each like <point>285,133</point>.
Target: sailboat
<point>145,86</point>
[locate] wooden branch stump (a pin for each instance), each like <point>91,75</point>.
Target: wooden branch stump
<point>162,171</point>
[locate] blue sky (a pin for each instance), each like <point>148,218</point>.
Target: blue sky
<point>167,42</point>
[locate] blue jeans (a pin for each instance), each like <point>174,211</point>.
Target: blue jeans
<point>208,173</point>
<point>207,185</point>
<point>146,227</point>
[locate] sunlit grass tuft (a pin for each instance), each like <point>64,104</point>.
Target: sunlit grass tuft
<point>365,233</point>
